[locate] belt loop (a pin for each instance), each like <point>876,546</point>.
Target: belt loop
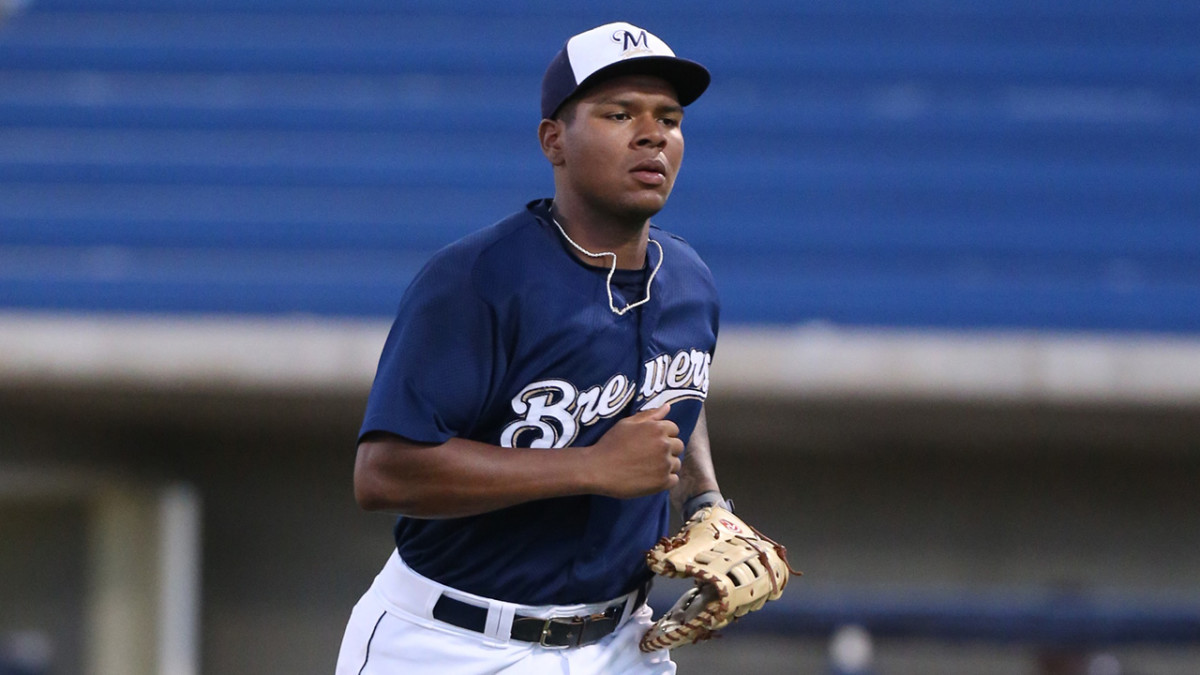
<point>634,601</point>
<point>499,623</point>
<point>630,605</point>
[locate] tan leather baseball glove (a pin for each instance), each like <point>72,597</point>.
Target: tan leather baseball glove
<point>736,569</point>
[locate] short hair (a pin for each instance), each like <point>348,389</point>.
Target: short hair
<point>566,112</point>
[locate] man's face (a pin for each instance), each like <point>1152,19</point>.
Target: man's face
<point>623,146</point>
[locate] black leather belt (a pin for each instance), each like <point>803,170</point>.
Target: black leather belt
<point>559,632</point>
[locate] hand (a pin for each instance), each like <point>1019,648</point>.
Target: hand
<point>638,456</point>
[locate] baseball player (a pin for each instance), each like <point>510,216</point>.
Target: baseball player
<point>539,403</point>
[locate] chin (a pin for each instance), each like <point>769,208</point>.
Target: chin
<point>648,205</point>
<point>633,208</point>
<point>639,215</point>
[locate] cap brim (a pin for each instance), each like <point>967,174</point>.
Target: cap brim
<point>688,78</point>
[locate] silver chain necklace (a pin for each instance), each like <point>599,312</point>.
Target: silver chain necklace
<point>613,270</point>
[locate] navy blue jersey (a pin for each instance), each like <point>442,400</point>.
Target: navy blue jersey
<point>506,337</point>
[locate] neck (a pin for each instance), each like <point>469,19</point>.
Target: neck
<point>599,234</point>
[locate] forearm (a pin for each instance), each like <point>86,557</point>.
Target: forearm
<point>461,477</point>
<point>697,474</point>
<point>638,456</point>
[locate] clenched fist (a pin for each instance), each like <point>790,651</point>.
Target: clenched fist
<point>638,456</point>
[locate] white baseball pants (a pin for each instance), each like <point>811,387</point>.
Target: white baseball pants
<point>392,632</point>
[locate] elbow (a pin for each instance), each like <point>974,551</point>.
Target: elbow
<point>380,484</point>
<point>371,490</point>
<point>367,493</point>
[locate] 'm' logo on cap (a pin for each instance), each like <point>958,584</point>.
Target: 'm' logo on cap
<point>629,41</point>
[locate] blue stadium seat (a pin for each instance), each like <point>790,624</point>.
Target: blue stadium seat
<point>910,163</point>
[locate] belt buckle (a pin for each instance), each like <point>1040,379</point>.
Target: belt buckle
<point>546,631</point>
<point>579,622</point>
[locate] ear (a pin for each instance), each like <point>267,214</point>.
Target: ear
<point>550,133</point>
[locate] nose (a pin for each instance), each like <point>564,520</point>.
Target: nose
<point>649,132</point>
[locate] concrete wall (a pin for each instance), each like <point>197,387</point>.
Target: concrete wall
<point>868,496</point>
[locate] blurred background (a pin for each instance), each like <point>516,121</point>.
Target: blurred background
<point>957,243</point>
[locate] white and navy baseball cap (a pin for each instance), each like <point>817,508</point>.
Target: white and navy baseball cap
<point>617,49</point>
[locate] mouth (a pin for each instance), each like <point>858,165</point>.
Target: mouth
<point>650,171</point>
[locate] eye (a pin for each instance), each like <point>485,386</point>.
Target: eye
<point>620,116</point>
<point>671,122</point>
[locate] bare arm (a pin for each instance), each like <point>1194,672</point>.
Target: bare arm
<point>697,475</point>
<point>638,456</point>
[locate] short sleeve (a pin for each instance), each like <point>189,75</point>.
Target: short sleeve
<point>439,359</point>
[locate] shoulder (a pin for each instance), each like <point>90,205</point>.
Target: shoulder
<point>682,257</point>
<point>497,254</point>
<point>677,246</point>
<point>499,238</point>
